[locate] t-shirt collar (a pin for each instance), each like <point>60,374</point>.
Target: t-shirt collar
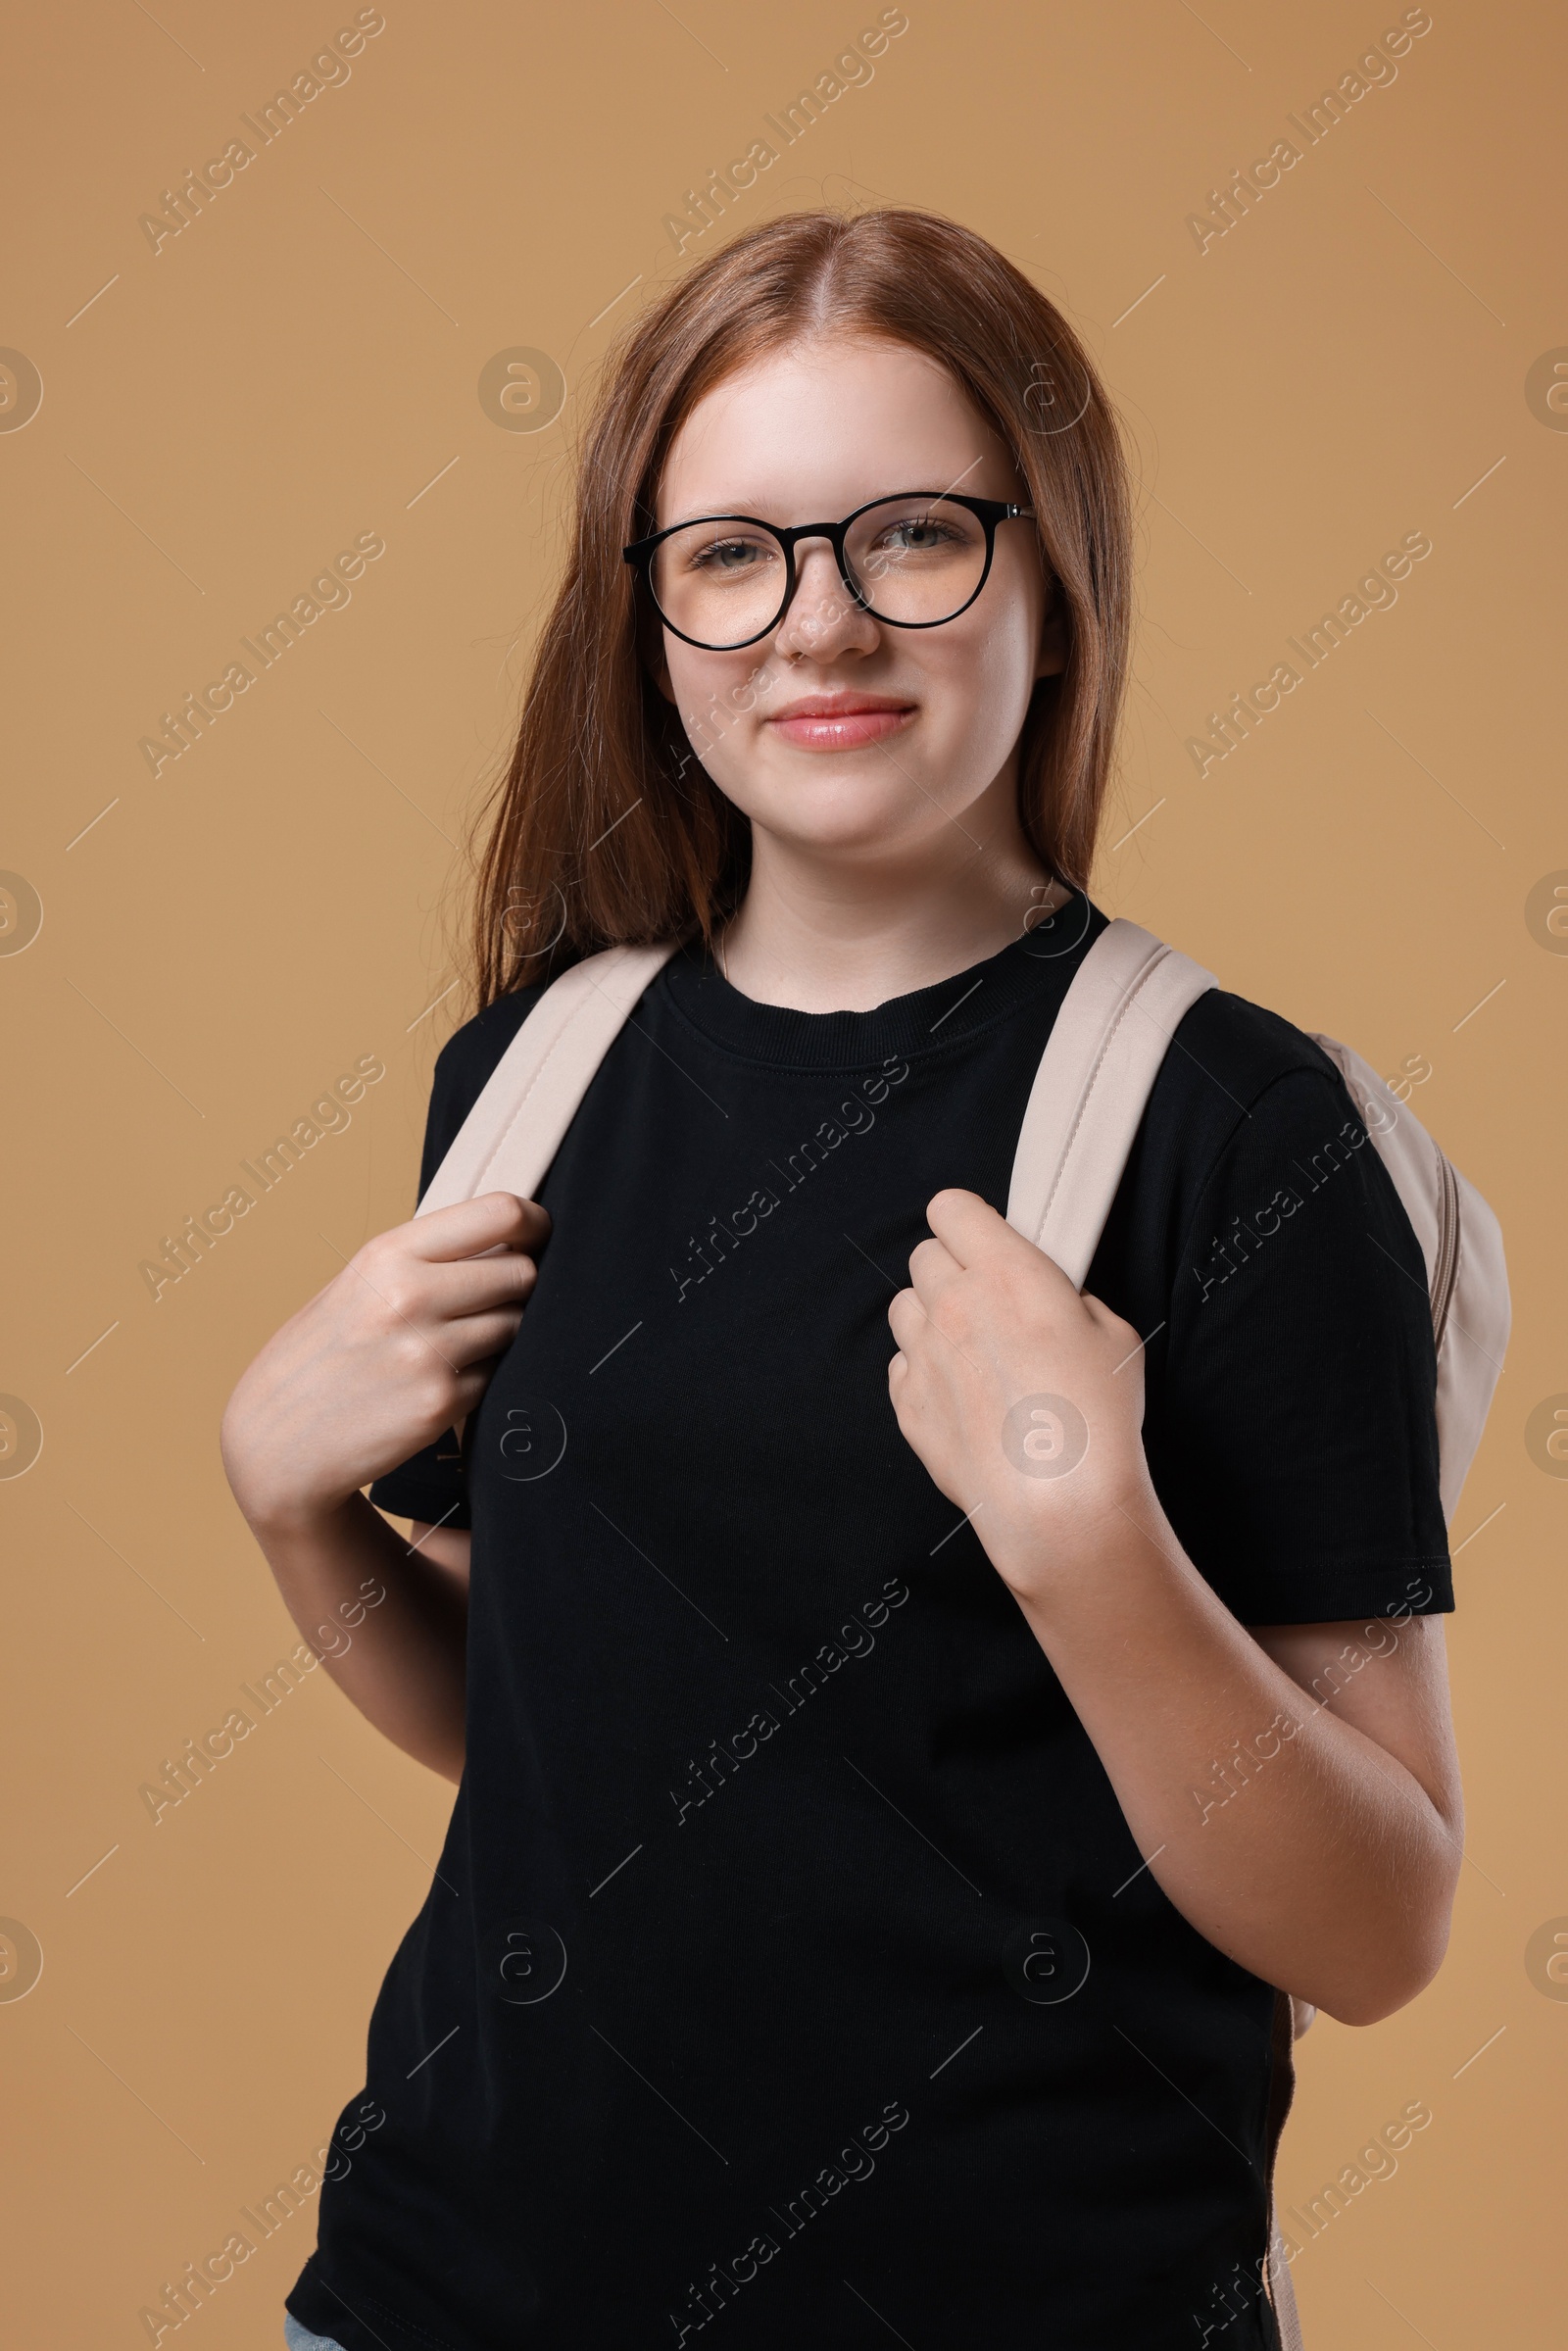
<point>926,1020</point>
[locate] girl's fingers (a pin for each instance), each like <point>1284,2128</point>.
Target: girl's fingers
<point>473,1284</point>
<point>933,1268</point>
<point>1111,1323</point>
<point>905,1315</point>
<point>474,1337</point>
<point>421,1294</point>
<point>494,1218</point>
<point>470,1391</point>
<point>963,1222</point>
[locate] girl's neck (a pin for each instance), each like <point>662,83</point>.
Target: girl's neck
<point>819,938</point>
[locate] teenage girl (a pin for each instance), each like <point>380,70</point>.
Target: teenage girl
<point>875,1868</point>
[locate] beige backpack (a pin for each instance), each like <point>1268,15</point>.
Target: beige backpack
<point>1094,1080</point>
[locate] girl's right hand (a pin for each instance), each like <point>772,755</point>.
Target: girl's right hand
<point>396,1350</point>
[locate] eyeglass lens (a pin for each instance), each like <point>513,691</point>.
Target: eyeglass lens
<point>916,559</point>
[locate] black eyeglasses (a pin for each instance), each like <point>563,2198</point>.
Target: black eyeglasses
<point>725,580</point>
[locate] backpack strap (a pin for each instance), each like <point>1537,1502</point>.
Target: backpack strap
<point>1102,1058</point>
<point>1094,1080</point>
<point>516,1126</point>
<point>1467,1273</point>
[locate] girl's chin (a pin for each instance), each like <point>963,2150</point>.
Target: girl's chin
<point>847,809</point>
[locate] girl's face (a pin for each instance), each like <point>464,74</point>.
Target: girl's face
<point>811,434</point>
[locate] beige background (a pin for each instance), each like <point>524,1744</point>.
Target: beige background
<point>301,365</point>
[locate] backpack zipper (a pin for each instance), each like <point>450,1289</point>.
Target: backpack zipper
<point>1445,1269</point>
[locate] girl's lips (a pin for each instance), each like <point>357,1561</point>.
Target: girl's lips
<point>845,731</point>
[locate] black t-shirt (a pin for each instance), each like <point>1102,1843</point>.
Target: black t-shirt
<point>790,1967</point>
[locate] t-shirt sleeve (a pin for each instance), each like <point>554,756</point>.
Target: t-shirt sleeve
<point>431,1484</point>
<point>1297,1448</point>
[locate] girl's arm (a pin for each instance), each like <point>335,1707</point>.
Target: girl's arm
<point>388,1619</point>
<point>1294,1790</point>
<point>1312,1834</point>
<point>393,1351</point>
<point>448,1546</point>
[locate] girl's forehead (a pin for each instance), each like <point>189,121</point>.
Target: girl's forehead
<point>840,421</point>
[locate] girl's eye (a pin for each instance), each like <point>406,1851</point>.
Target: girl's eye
<point>919,535</point>
<point>727,557</point>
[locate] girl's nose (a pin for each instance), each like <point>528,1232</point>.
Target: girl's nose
<point>822,619</point>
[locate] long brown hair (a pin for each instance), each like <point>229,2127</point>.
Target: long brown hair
<point>605,828</point>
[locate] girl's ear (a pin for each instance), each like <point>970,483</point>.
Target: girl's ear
<point>1053,634</point>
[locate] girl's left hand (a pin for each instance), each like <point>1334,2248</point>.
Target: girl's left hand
<point>1023,1398</point>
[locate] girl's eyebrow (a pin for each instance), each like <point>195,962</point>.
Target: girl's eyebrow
<point>742,504</point>
<point>709,514</point>
<point>758,513</point>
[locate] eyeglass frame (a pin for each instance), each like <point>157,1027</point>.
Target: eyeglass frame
<point>988,511</point>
